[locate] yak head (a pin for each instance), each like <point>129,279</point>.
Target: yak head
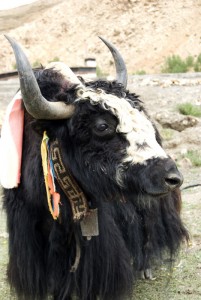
<point>107,139</point>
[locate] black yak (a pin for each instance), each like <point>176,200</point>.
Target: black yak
<point>115,204</point>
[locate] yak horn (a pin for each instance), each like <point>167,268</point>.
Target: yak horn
<point>121,71</point>
<point>35,103</point>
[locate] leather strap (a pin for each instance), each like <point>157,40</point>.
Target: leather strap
<point>78,201</point>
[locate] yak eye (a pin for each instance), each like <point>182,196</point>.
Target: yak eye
<point>102,127</point>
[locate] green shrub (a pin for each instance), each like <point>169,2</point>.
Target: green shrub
<point>100,73</point>
<point>195,157</point>
<point>190,61</point>
<point>197,64</point>
<point>36,64</point>
<point>55,59</point>
<point>199,59</point>
<point>174,64</point>
<point>189,109</point>
<point>140,72</point>
<point>197,67</point>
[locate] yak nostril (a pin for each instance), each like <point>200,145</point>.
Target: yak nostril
<point>173,180</point>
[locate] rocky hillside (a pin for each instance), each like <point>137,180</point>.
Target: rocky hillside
<point>146,31</point>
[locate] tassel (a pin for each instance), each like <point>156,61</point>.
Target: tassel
<point>53,198</point>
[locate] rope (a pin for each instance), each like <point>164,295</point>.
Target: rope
<point>191,186</point>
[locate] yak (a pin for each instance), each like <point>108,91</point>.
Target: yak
<point>98,201</point>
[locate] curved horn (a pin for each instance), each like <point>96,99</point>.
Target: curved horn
<point>33,100</point>
<point>121,71</point>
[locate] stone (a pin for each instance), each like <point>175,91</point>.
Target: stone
<point>185,163</point>
<point>175,121</point>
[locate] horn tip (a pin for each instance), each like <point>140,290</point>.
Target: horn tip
<point>103,39</point>
<point>108,44</point>
<point>11,40</point>
<point>7,36</point>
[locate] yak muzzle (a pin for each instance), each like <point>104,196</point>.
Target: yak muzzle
<point>157,177</point>
<point>162,177</point>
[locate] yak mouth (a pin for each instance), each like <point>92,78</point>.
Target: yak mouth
<point>158,194</point>
<point>125,195</point>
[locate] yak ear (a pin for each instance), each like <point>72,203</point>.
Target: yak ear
<point>65,71</point>
<point>37,106</point>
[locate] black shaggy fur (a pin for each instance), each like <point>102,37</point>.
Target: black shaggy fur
<point>135,228</point>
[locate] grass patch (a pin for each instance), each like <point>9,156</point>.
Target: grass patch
<point>167,134</point>
<point>195,157</point>
<point>189,109</point>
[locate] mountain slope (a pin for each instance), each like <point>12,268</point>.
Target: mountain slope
<point>145,32</point>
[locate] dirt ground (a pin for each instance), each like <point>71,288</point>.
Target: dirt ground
<point>182,281</point>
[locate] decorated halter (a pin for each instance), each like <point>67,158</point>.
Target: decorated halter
<point>55,169</point>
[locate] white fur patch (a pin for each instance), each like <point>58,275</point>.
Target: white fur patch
<point>133,123</point>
